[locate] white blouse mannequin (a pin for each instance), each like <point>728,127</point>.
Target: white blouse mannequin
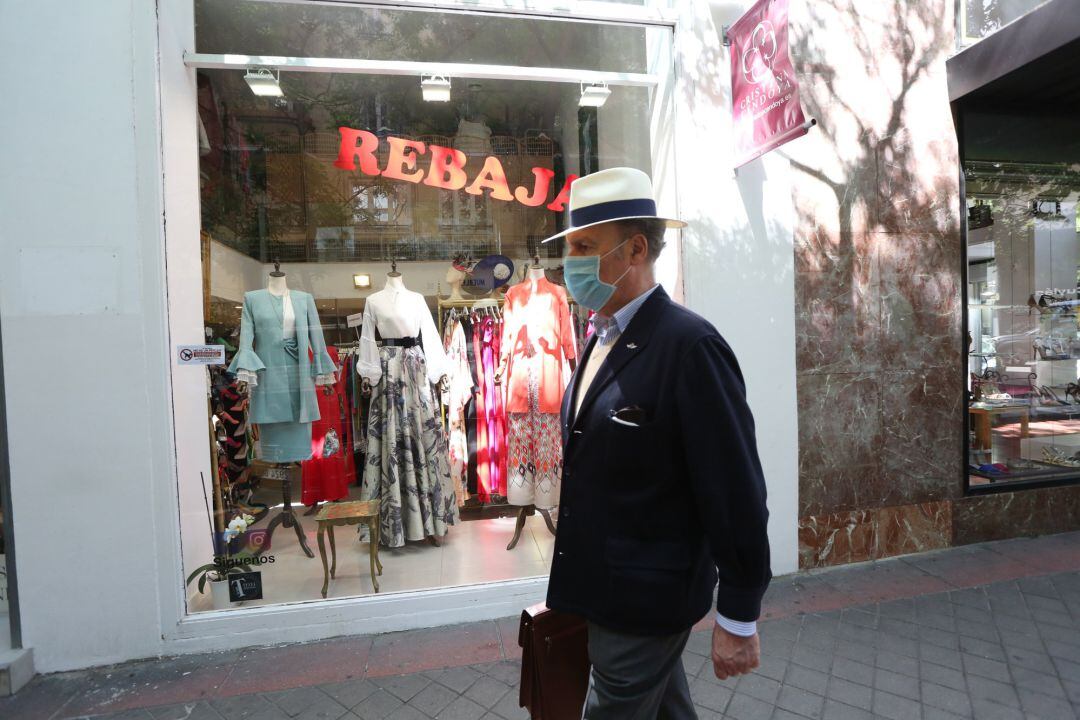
<point>398,312</point>
<point>277,286</point>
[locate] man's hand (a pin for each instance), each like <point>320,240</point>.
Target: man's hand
<point>734,655</point>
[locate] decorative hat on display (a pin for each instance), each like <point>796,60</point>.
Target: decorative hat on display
<point>620,193</point>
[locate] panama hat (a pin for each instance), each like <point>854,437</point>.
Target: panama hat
<point>620,193</point>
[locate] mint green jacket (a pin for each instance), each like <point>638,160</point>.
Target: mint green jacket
<point>286,369</point>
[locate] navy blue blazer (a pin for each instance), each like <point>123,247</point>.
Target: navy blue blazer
<point>656,509</point>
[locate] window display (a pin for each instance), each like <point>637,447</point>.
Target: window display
<point>1023,293</point>
<point>416,413</point>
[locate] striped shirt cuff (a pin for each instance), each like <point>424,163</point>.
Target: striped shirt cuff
<point>742,629</point>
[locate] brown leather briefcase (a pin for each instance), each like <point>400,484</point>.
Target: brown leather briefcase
<point>554,663</point>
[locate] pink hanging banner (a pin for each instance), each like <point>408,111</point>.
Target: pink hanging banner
<point>764,90</point>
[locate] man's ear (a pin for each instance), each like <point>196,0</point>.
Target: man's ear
<point>639,248</point>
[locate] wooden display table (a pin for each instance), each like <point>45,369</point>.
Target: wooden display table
<point>349,513</point>
<point>982,417</point>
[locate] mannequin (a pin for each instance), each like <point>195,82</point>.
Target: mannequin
<point>280,360</point>
<point>534,274</point>
<point>538,353</point>
<point>394,319</point>
<point>278,286</point>
<point>408,470</point>
<point>454,278</point>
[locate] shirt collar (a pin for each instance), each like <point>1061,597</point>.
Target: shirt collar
<point>609,328</point>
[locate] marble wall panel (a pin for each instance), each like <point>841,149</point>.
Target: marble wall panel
<point>836,539</point>
<point>840,448</point>
<point>922,429</point>
<point>1018,514</point>
<point>914,253</point>
<point>918,169</point>
<point>819,249</point>
<point>838,314</point>
<point>920,320</point>
<point>861,535</point>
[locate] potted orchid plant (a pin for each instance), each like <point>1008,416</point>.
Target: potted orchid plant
<point>225,563</point>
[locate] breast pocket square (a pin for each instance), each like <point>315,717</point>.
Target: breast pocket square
<point>632,416</point>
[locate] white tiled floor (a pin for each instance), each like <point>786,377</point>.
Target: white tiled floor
<point>472,552</point>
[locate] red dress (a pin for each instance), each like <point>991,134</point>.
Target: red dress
<point>327,475</point>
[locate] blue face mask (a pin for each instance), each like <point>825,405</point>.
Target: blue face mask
<point>582,276</point>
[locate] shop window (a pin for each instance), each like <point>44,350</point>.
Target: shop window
<point>1022,187</point>
<point>334,181</point>
<point>979,18</point>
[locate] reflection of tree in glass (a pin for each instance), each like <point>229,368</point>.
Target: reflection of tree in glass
<point>985,16</point>
<point>309,30</point>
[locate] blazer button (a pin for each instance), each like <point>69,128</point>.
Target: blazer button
<point>566,512</point>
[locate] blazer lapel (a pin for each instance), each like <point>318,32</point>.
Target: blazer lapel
<point>629,345</point>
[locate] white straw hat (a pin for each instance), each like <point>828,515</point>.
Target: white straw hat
<point>620,193</point>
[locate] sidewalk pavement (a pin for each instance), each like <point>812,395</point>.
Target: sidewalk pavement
<point>983,631</point>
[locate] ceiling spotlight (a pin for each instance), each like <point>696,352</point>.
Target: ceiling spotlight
<point>263,82</point>
<point>435,88</point>
<point>361,281</point>
<point>594,94</point>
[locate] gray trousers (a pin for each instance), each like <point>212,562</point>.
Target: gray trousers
<point>637,677</point>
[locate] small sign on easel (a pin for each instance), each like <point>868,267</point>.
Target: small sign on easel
<point>245,586</point>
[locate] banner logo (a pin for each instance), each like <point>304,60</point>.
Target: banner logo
<point>757,61</point>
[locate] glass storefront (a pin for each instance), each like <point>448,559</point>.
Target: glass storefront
<point>979,18</point>
<point>1021,164</point>
<point>361,231</point>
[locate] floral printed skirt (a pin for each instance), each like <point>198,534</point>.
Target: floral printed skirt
<point>408,469</point>
<point>534,455</point>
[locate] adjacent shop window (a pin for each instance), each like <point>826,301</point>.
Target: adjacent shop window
<point>979,18</point>
<point>1021,163</point>
<point>399,227</point>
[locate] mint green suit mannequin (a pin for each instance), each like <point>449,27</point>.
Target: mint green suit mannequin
<point>283,403</point>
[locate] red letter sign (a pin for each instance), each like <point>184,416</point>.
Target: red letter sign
<point>400,158</point>
<point>492,177</point>
<point>540,188</point>
<point>447,169</point>
<point>349,150</point>
<point>564,195</point>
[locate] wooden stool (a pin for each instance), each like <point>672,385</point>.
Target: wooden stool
<point>349,513</point>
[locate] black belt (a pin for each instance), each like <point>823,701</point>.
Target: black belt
<point>401,342</point>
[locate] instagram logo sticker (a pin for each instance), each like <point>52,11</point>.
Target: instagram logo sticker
<point>255,541</point>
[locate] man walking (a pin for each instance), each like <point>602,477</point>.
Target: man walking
<point>662,492</point>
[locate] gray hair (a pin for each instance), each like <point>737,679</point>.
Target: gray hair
<point>652,228</point>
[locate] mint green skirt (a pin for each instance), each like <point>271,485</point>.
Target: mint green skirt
<point>284,442</point>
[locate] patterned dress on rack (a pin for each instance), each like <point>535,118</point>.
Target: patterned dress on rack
<point>457,400</point>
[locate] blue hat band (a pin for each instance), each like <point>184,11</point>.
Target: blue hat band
<point>602,212</point>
